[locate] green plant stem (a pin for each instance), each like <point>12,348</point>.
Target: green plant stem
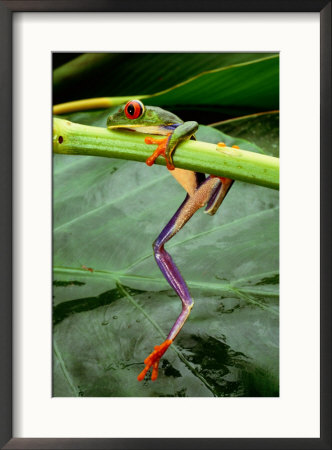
<point>91,103</point>
<point>75,139</point>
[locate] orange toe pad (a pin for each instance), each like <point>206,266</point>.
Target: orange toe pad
<point>153,360</point>
<point>160,150</point>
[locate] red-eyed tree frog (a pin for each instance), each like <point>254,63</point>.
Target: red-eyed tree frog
<point>201,191</point>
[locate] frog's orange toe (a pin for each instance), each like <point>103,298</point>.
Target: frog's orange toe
<point>170,166</point>
<point>154,374</point>
<point>153,360</point>
<point>149,140</point>
<point>222,144</point>
<point>150,160</point>
<point>143,373</point>
<point>160,150</point>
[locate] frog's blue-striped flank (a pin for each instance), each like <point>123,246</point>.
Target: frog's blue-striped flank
<point>201,191</point>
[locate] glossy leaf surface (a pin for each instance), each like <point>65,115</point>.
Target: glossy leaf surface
<point>213,86</point>
<point>111,303</point>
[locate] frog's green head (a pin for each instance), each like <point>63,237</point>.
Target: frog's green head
<point>137,117</point>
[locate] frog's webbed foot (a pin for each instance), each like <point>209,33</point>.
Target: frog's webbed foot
<point>153,360</point>
<point>160,150</point>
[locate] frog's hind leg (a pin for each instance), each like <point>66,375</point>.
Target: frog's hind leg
<point>191,204</point>
<point>218,195</point>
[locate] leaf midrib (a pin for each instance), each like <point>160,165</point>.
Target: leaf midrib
<point>221,288</point>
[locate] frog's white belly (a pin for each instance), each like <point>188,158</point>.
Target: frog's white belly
<point>162,131</point>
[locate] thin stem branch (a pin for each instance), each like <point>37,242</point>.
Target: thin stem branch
<point>90,103</point>
<point>76,139</point>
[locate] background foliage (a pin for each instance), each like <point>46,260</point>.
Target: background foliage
<point>108,212</point>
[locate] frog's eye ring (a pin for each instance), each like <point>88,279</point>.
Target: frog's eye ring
<point>134,109</point>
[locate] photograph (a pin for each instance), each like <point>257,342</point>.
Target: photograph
<point>166,225</point>
<point>165,235</point>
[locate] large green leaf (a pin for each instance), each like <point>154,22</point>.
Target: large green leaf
<point>106,321</point>
<point>121,74</point>
<point>216,85</point>
<point>250,84</point>
<point>263,129</point>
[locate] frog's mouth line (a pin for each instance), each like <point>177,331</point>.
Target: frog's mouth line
<point>114,127</point>
<point>122,128</point>
<point>153,129</point>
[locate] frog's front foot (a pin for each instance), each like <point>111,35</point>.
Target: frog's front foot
<point>153,360</point>
<point>160,150</point>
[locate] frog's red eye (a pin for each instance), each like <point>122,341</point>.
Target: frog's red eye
<point>134,109</point>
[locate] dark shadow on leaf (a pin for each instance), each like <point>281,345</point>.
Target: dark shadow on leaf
<point>231,373</point>
<point>269,280</point>
<point>57,283</point>
<point>65,309</point>
<point>169,370</point>
<point>216,361</point>
<point>180,393</point>
<point>259,382</point>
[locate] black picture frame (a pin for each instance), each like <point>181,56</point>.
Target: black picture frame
<point>7,10</point>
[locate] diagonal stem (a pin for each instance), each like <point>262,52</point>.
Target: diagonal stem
<point>75,139</point>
